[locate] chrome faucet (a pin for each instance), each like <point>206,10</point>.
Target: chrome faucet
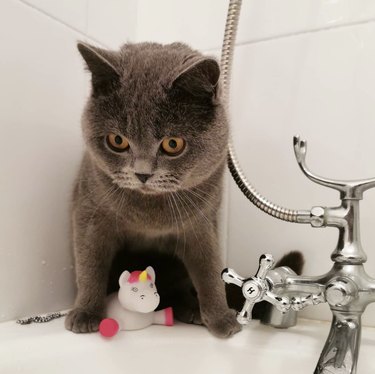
<point>346,287</point>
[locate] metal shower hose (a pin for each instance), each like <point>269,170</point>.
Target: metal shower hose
<point>226,66</point>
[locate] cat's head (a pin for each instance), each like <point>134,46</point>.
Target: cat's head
<point>154,120</point>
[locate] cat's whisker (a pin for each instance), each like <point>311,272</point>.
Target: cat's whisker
<point>203,191</point>
<point>204,197</point>
<point>207,186</point>
<point>174,218</point>
<point>210,223</point>
<point>182,224</point>
<point>89,191</point>
<point>193,226</point>
<point>122,194</point>
<point>198,209</point>
<point>110,192</point>
<point>110,196</point>
<point>187,213</point>
<point>201,198</point>
<point>170,197</point>
<point>179,197</point>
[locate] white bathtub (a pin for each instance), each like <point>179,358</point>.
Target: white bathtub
<point>181,349</point>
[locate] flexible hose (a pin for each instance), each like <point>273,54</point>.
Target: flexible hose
<point>226,67</point>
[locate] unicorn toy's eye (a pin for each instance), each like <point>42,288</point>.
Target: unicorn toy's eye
<point>134,289</point>
<point>151,285</point>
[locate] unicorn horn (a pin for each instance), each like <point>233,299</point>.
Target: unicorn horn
<point>143,276</point>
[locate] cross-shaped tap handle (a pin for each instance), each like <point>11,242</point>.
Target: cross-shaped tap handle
<point>256,289</point>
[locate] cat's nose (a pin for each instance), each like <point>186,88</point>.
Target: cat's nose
<point>143,177</point>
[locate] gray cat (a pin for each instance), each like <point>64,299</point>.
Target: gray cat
<point>150,183</point>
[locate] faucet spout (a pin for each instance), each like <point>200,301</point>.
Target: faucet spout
<point>340,353</point>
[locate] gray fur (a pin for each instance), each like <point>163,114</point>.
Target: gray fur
<point>146,92</point>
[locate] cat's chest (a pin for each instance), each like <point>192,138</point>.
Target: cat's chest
<point>140,214</point>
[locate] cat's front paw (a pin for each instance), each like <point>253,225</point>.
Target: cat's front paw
<point>224,325</point>
<point>82,321</point>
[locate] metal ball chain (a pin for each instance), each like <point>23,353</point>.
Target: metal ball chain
<point>41,319</point>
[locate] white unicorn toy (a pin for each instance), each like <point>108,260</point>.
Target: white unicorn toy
<point>133,307</point>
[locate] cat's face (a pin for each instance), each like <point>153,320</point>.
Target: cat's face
<point>154,121</point>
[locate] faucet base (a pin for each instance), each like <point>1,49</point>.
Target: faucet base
<point>272,317</point>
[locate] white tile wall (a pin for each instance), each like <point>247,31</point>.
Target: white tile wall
<point>302,66</point>
<point>42,87</point>
<point>112,22</point>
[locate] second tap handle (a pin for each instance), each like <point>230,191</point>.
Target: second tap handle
<point>266,263</point>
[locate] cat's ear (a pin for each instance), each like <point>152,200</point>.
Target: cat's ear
<point>199,79</point>
<point>102,65</point>
<point>124,278</point>
<point>151,272</point>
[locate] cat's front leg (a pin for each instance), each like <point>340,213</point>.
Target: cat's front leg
<point>201,257</point>
<point>93,250</point>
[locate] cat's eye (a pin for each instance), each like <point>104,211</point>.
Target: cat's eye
<point>117,142</point>
<point>173,146</point>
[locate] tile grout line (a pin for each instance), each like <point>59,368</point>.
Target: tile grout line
<point>297,33</point>
<point>59,21</point>
<point>313,31</point>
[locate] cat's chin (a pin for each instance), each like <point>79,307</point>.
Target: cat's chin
<point>147,190</point>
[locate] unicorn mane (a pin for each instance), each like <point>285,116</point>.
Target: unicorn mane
<point>139,276</point>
